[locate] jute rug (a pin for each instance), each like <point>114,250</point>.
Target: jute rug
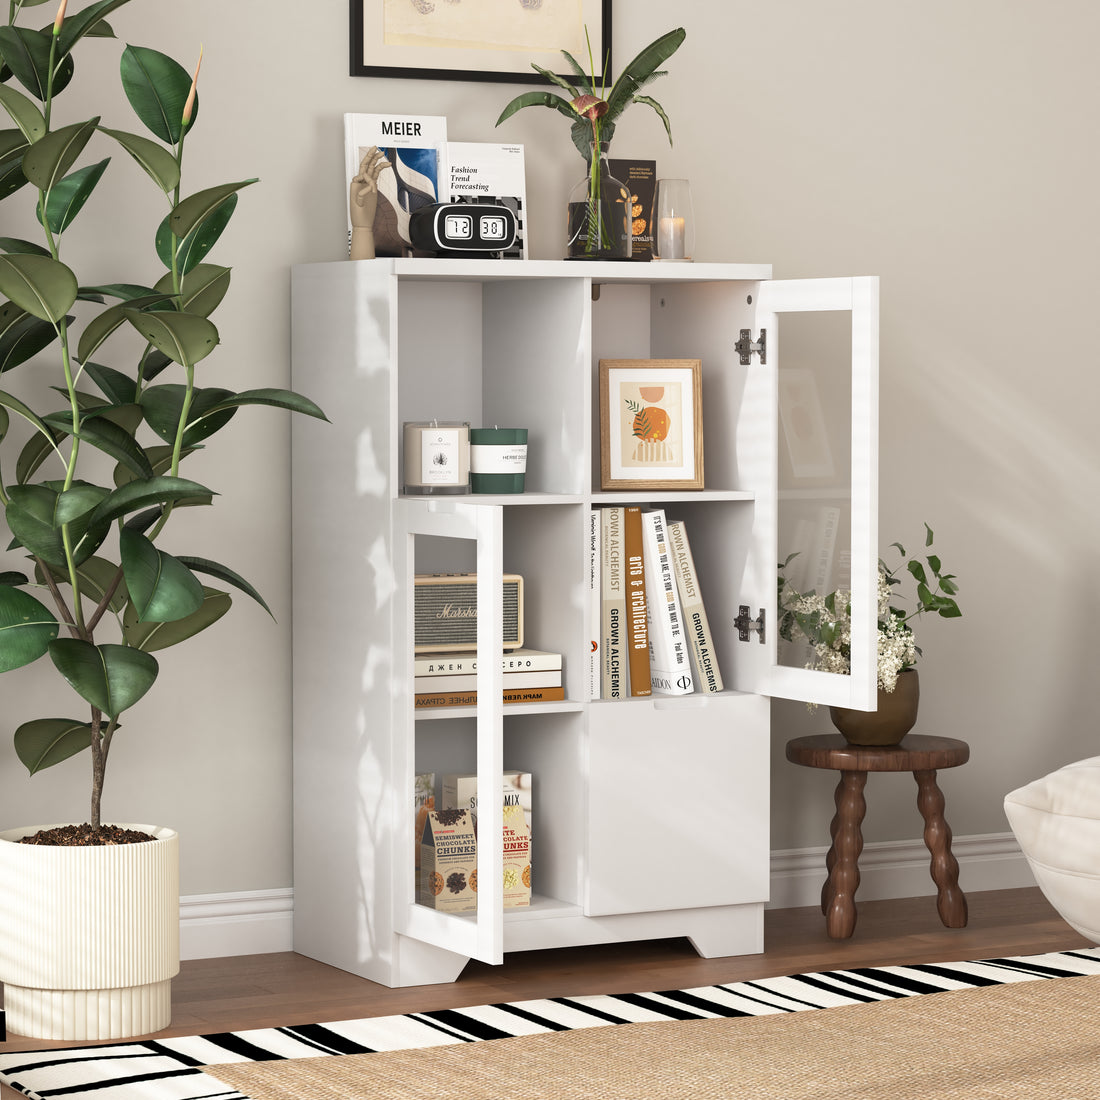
<point>680,1042</point>
<point>1037,1041</point>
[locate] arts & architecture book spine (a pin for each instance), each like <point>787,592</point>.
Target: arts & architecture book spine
<point>637,626</point>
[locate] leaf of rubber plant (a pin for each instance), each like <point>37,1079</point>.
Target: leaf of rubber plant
<point>22,338</point>
<point>41,285</point>
<point>155,362</point>
<point>107,436</point>
<point>11,577</point>
<point>24,112</point>
<point>84,22</point>
<point>159,164</point>
<point>96,575</point>
<point>153,636</point>
<point>78,501</point>
<point>35,451</point>
<point>149,491</point>
<point>101,326</point>
<point>184,337</point>
<point>117,387</point>
<point>226,575</point>
<point>32,516</point>
<point>160,460</point>
<point>126,291</point>
<point>70,194</point>
<point>47,741</point>
<point>281,399</point>
<point>203,288</point>
<point>196,208</point>
<point>157,88</point>
<point>162,589</point>
<point>7,401</point>
<point>46,161</point>
<point>15,245</point>
<point>26,628</point>
<point>192,250</point>
<point>110,677</point>
<point>163,405</point>
<point>27,53</point>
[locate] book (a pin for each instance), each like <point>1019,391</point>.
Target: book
<point>515,660</point>
<point>592,548</point>
<point>701,641</point>
<point>469,698</point>
<point>613,678</point>
<point>467,681</point>
<point>640,177</point>
<point>637,627</point>
<point>479,171</point>
<point>414,147</point>
<point>669,658</point>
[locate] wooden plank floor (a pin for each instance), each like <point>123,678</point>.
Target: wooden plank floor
<point>268,990</point>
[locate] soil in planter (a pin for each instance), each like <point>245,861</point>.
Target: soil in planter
<point>84,835</point>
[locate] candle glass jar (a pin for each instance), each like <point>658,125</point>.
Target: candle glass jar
<point>498,459</point>
<point>436,457</point>
<point>673,221</point>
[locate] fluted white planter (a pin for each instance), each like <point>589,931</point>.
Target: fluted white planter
<point>89,936</point>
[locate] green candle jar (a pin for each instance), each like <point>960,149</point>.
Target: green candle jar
<point>498,459</point>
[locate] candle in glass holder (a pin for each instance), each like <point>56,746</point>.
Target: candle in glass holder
<point>674,219</point>
<point>670,238</point>
<point>498,459</point>
<point>436,457</point>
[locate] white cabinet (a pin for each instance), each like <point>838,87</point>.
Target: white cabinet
<point>651,814</point>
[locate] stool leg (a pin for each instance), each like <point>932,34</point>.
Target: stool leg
<point>830,859</point>
<point>950,901</point>
<point>840,910</point>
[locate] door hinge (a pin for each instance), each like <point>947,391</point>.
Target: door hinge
<point>745,346</point>
<point>745,625</point>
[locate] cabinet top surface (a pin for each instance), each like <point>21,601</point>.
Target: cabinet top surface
<point>596,270</point>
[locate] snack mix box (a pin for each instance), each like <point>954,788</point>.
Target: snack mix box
<point>448,861</point>
<point>460,792</point>
<point>517,858</point>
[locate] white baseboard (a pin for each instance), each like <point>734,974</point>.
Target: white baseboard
<point>262,921</point>
<point>899,869</point>
<point>216,926</point>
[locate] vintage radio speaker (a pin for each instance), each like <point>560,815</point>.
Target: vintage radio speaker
<point>445,612</point>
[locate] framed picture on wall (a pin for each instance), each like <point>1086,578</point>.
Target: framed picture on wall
<point>478,39</point>
<point>651,424</point>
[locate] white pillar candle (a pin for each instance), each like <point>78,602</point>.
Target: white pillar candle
<point>670,242</point>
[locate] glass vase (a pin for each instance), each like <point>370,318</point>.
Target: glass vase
<point>599,222</point>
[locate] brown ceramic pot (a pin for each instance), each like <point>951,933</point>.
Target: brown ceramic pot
<point>890,722</point>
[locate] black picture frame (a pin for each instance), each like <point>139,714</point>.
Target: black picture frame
<point>372,57</point>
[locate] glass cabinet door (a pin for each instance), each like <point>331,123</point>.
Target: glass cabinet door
<point>814,474</point>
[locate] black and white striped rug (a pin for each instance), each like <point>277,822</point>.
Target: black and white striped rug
<point>168,1069</point>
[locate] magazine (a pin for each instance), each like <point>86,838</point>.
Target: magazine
<point>409,165</point>
<point>483,172</point>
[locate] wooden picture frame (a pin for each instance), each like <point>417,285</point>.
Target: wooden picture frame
<point>651,424</point>
<point>478,39</point>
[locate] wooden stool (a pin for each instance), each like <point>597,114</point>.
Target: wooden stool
<point>920,755</point>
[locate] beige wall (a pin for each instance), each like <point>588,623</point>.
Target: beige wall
<point>947,146</point>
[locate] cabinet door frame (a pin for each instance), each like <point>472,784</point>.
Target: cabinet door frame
<point>481,937</point>
<point>756,667</point>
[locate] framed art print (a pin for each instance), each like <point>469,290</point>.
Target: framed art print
<point>478,39</point>
<point>651,424</point>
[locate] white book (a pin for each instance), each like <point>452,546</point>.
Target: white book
<point>467,681</point>
<point>595,568</point>
<point>700,640</point>
<point>479,171</point>
<point>669,659</point>
<point>415,148</point>
<point>515,660</point>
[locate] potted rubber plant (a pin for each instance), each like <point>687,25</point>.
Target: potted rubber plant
<point>598,209</point>
<point>90,479</point>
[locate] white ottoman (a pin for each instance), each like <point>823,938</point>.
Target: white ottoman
<point>1056,820</point>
